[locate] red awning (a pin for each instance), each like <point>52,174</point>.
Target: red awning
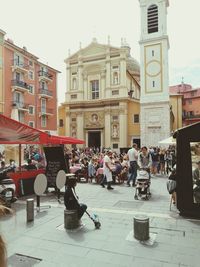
<point>15,132</point>
<point>53,139</point>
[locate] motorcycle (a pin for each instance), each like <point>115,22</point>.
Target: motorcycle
<point>7,189</point>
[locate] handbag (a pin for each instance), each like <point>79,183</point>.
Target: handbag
<point>171,186</point>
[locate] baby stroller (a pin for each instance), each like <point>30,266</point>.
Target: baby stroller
<point>142,189</point>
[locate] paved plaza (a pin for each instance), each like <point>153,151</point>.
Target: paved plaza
<point>175,241</point>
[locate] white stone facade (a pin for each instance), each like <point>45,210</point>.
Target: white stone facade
<point>154,45</point>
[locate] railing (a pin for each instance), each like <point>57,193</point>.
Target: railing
<point>191,116</point>
<point>20,84</point>
<point>46,110</point>
<point>20,64</point>
<point>45,74</point>
<point>20,105</point>
<point>45,92</point>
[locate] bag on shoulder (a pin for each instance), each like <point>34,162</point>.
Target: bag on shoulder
<point>171,186</point>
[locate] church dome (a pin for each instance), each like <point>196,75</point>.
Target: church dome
<point>132,65</point>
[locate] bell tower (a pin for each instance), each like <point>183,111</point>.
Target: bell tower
<point>154,45</point>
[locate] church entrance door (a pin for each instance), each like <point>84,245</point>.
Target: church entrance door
<point>94,139</point>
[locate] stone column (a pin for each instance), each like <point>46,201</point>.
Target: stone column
<point>108,70</point>
<point>123,125</point>
<point>86,138</point>
<point>80,75</point>
<point>68,78</point>
<point>67,122</point>
<point>102,88</point>
<point>80,125</point>
<point>85,87</point>
<point>123,69</point>
<point>107,132</point>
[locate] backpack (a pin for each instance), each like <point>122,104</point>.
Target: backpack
<point>171,186</point>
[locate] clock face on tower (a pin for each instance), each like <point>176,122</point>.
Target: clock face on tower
<point>153,68</point>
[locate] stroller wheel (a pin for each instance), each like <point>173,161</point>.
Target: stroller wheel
<point>136,197</point>
<point>97,225</point>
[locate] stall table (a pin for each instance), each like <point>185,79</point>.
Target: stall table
<point>24,181</point>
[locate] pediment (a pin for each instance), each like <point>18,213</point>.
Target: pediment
<point>92,50</point>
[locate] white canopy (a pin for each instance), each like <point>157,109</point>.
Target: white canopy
<point>168,141</point>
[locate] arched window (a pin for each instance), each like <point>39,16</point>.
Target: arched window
<point>115,78</point>
<point>152,18</point>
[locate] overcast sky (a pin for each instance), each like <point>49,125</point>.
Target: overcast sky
<point>49,28</point>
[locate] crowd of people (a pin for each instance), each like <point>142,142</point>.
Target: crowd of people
<point>121,166</point>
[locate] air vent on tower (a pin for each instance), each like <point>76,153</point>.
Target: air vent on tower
<point>152,17</point>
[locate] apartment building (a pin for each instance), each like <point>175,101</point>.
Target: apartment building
<point>190,102</point>
<point>28,88</point>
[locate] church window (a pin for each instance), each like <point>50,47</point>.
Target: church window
<point>153,83</point>
<point>136,118</point>
<point>152,18</point>
<point>94,86</point>
<point>115,92</point>
<point>73,96</point>
<point>152,53</point>
<point>115,78</point>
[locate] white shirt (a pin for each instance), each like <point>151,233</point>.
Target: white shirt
<point>132,154</point>
<point>106,170</point>
<point>108,160</point>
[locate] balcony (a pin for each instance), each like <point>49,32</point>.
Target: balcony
<point>45,93</point>
<point>45,111</point>
<point>45,76</point>
<point>20,86</point>
<point>19,66</point>
<point>191,116</point>
<point>20,105</point>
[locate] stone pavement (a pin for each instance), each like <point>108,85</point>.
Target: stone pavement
<point>45,242</point>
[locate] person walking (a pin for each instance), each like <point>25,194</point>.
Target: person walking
<point>132,158</point>
<point>107,171</point>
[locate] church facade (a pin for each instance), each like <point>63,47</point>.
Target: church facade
<point>102,97</point>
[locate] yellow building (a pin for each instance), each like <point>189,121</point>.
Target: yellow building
<point>176,111</point>
<point>102,98</point>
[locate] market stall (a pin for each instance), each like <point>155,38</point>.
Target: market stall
<point>14,132</point>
